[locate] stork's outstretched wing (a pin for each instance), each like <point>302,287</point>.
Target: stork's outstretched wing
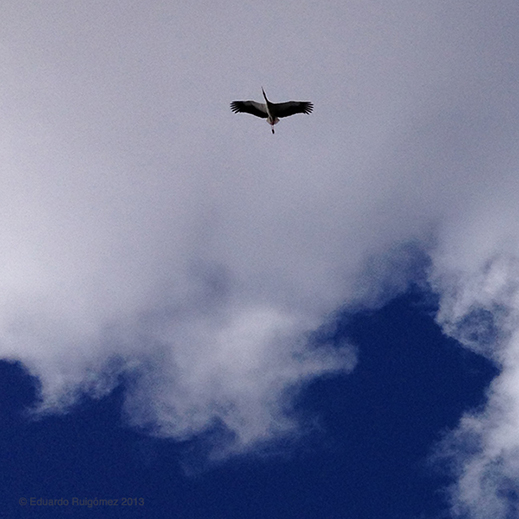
<point>250,107</point>
<point>292,107</point>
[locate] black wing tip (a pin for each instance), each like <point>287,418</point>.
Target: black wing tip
<point>308,107</point>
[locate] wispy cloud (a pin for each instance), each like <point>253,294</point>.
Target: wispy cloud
<point>480,310</point>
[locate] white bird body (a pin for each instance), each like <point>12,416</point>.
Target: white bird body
<point>272,111</point>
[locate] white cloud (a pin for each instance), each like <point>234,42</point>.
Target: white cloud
<point>480,308</point>
<point>149,231</point>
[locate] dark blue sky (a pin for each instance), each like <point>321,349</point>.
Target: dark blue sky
<point>365,453</point>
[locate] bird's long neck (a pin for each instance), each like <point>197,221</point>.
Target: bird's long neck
<point>268,107</point>
<point>267,103</point>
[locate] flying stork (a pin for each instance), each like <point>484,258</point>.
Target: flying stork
<point>272,111</point>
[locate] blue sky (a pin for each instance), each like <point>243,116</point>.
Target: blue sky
<point>222,301</point>
<point>366,451</point>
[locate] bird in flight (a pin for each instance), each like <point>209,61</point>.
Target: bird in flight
<point>272,111</point>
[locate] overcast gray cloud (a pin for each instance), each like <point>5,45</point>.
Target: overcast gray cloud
<point>147,230</point>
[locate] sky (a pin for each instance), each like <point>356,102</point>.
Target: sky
<point>191,301</point>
